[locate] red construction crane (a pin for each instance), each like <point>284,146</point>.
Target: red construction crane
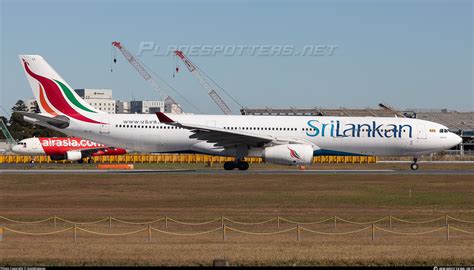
<point>202,80</point>
<point>146,75</point>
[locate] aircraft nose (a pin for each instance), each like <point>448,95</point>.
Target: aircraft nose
<point>458,139</point>
<point>455,139</point>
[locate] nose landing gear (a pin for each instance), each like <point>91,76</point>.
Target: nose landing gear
<point>414,165</point>
<point>238,164</point>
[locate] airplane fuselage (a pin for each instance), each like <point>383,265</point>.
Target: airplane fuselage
<point>381,136</point>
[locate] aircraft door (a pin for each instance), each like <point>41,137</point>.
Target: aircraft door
<point>421,131</point>
<point>105,126</point>
<point>211,123</point>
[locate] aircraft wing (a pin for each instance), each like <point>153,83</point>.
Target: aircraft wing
<point>219,136</point>
<point>59,121</point>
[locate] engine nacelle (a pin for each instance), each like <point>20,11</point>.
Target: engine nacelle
<point>58,157</point>
<point>73,155</point>
<point>289,154</point>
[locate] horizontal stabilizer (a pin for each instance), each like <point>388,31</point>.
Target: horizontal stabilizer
<point>59,121</point>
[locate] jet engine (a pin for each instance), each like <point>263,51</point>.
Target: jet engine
<point>70,155</point>
<point>289,154</point>
<point>73,155</point>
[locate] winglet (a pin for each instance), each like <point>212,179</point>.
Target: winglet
<point>163,118</point>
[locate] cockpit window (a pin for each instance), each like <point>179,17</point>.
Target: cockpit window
<point>443,130</point>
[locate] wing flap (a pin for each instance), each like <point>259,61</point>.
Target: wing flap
<point>219,136</point>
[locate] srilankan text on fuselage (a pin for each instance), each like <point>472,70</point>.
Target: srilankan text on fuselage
<point>372,129</point>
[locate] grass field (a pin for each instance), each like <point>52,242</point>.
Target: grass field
<point>251,197</point>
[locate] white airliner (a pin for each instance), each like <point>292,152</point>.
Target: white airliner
<point>288,140</point>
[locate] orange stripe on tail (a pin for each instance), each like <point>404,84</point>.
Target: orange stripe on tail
<point>44,104</point>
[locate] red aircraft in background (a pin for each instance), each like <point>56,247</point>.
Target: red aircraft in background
<point>65,148</point>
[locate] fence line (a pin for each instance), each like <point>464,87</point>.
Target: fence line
<point>259,233</point>
<point>32,233</point>
<point>411,233</point>
<point>194,223</point>
<point>460,220</point>
<point>460,230</point>
<point>250,223</point>
<point>26,222</point>
<point>335,233</point>
<point>225,219</point>
<point>306,223</point>
<point>417,222</point>
<point>225,228</point>
<point>111,234</point>
<point>80,223</point>
<point>186,234</point>
<point>137,223</point>
<point>361,223</point>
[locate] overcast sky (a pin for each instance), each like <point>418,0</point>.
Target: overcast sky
<point>410,54</point>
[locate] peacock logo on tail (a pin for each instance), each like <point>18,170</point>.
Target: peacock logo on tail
<point>52,98</point>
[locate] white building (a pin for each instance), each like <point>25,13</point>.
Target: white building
<point>100,99</point>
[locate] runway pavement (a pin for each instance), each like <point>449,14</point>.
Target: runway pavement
<point>210,171</point>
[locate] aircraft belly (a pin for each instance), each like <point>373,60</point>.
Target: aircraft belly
<point>365,146</point>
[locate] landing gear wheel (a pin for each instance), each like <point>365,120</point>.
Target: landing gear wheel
<point>229,166</point>
<point>243,166</point>
<point>414,165</point>
<point>80,161</point>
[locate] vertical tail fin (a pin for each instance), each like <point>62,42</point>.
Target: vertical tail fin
<point>53,93</point>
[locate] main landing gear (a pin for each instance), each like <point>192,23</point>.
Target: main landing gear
<point>414,165</point>
<point>82,161</point>
<point>238,164</point>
